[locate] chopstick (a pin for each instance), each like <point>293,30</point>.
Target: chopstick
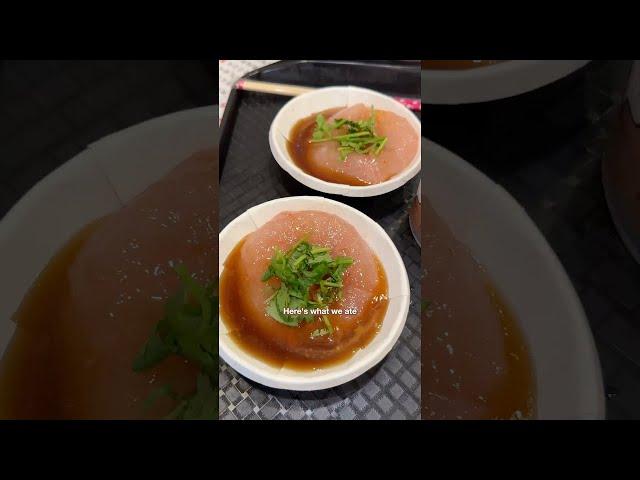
<point>294,90</point>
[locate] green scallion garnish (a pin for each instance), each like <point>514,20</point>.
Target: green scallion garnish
<point>310,280</point>
<point>360,136</point>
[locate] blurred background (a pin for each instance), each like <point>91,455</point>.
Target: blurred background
<point>51,110</point>
<point>548,146</point>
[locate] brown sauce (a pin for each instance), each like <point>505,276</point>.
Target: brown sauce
<point>30,370</point>
<point>92,308</point>
<point>255,343</point>
<point>456,64</point>
<point>298,146</point>
<point>475,360</point>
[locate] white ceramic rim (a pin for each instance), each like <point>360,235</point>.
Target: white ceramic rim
<point>352,368</point>
<point>104,179</point>
<point>591,402</point>
<point>492,82</point>
<point>283,158</point>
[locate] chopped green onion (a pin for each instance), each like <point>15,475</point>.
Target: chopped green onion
<point>309,279</point>
<point>359,138</point>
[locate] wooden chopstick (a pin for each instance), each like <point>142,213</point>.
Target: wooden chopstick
<point>294,90</point>
<point>269,87</point>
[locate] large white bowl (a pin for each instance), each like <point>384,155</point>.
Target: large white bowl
<point>95,182</point>
<point>364,359</point>
<point>321,99</point>
<point>529,276</point>
<point>493,82</point>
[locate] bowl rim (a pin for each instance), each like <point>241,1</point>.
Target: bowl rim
<point>492,82</point>
<point>341,373</point>
<point>88,161</point>
<point>591,369</point>
<point>284,160</point>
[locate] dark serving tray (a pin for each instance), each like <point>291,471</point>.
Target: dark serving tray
<point>249,175</point>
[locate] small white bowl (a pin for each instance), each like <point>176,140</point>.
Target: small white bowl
<point>361,361</point>
<point>321,99</point>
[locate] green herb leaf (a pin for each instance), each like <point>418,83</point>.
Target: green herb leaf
<point>203,405</point>
<point>274,312</point>
<point>309,278</point>
<point>319,332</point>
<point>189,329</point>
<point>163,391</point>
<point>326,321</point>
<point>360,136</point>
<point>153,352</point>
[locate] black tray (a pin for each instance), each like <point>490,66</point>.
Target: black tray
<point>249,176</point>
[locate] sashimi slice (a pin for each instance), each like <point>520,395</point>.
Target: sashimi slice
<point>119,283</point>
<point>360,281</point>
<point>323,159</point>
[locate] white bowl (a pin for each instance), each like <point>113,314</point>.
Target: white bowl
<point>530,278</point>
<point>94,183</point>
<point>361,361</point>
<point>321,99</point>
<point>493,82</point>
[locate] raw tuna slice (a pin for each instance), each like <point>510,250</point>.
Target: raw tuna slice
<point>358,169</point>
<point>360,280</point>
<point>118,282</point>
